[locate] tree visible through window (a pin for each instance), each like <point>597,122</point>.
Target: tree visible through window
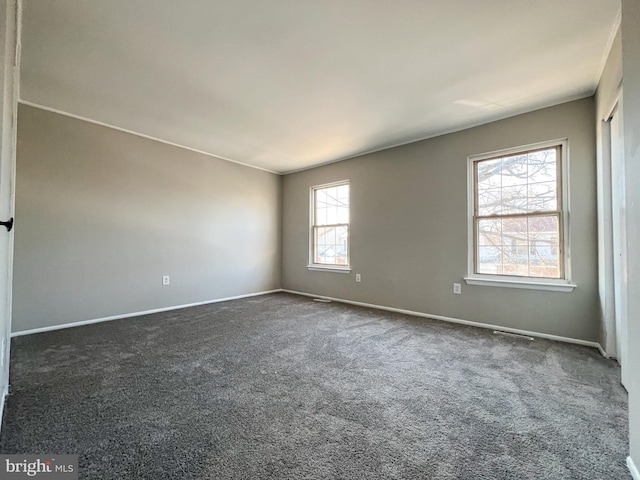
<point>330,224</point>
<point>518,214</point>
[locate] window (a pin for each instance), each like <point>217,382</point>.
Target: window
<point>330,226</point>
<point>518,218</point>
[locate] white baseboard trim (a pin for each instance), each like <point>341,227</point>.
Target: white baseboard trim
<point>340,300</point>
<point>5,392</point>
<point>557,338</point>
<point>603,352</point>
<point>633,469</point>
<point>136,314</point>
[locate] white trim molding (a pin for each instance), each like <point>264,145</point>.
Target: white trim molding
<point>501,281</point>
<point>329,268</point>
<point>136,314</point>
<point>471,323</point>
<point>604,353</point>
<point>632,468</point>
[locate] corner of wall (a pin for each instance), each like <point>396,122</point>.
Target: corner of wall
<point>280,227</point>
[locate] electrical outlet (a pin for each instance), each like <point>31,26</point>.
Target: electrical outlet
<point>166,280</point>
<point>358,278</point>
<point>457,289</point>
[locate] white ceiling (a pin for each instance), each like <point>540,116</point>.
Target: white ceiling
<point>287,84</point>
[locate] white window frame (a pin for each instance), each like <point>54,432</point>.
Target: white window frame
<point>559,285</point>
<point>312,204</point>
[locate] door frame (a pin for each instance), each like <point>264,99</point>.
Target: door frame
<point>612,223</point>
<point>10,31</point>
<point>618,228</point>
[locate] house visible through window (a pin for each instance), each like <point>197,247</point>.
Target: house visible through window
<point>518,222</point>
<point>330,225</point>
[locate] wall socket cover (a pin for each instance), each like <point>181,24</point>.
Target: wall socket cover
<point>166,280</point>
<point>457,288</point>
<point>358,277</point>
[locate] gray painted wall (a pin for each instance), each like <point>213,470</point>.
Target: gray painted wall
<point>631,74</point>
<point>409,227</point>
<point>101,215</point>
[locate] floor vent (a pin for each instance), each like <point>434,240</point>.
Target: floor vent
<point>516,335</point>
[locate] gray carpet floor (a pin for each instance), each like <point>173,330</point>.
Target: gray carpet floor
<point>282,387</point>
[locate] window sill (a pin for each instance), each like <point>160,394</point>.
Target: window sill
<point>549,285</point>
<point>329,268</point>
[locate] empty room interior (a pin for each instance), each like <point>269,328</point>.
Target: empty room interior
<point>298,239</point>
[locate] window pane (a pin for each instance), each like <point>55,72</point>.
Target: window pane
<point>489,174</point>
<point>490,232</point>
<point>519,246</point>
<point>514,170</point>
<point>343,203</point>
<point>544,247</point>
<point>508,237</point>
<point>514,199</point>
<point>324,244</point>
<point>490,202</point>
<point>523,183</point>
<point>321,198</point>
<point>343,215</point>
<point>331,245</point>
<point>332,215</point>
<point>542,166</point>
<point>341,250</point>
<point>343,193</point>
<point>544,229</point>
<point>490,260</point>
<point>515,260</point>
<point>514,231</point>
<point>332,197</point>
<point>321,216</point>
<point>332,205</point>
<point>543,196</point>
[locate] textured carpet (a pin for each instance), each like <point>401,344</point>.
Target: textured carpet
<point>280,386</point>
